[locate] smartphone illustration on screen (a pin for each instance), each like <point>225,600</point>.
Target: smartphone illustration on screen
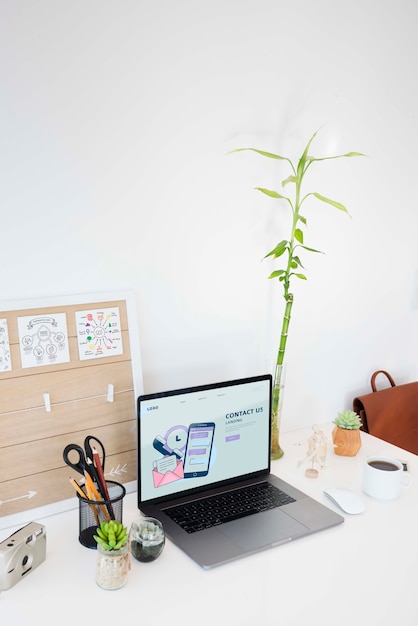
<point>198,449</point>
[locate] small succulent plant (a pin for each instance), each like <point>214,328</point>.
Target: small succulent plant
<point>111,535</point>
<point>348,420</point>
<point>147,539</point>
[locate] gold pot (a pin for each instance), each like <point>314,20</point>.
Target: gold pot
<point>346,442</point>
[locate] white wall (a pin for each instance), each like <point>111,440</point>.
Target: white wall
<point>116,119</point>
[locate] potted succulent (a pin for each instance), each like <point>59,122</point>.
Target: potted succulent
<point>346,433</point>
<point>147,539</point>
<point>112,554</point>
<point>290,250</point>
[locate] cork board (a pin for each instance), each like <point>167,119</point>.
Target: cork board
<point>69,367</point>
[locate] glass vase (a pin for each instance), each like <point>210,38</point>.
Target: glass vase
<point>276,409</point>
<point>112,567</point>
<point>147,538</point>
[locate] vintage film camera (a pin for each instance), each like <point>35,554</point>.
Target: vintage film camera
<point>21,553</point>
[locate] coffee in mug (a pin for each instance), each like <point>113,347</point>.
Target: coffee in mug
<point>383,465</point>
<point>384,477</point>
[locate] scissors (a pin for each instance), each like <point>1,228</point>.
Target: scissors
<point>85,464</point>
<point>84,456</point>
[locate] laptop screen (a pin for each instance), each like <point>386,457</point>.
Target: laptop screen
<point>197,437</point>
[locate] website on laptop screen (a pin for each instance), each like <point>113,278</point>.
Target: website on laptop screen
<point>203,436</point>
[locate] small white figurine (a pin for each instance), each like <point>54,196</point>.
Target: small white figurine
<point>317,451</point>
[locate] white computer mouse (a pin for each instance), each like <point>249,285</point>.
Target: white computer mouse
<point>348,501</point>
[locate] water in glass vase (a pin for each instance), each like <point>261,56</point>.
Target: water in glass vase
<point>276,451</point>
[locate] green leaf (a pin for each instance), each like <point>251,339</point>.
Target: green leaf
<point>337,156</point>
<point>304,158</point>
<point>271,193</point>
<point>334,203</point>
<point>301,276</point>
<point>279,249</point>
<point>277,273</point>
<point>269,155</point>
<point>311,249</point>
<point>289,179</point>
<point>299,235</point>
<point>296,259</point>
<point>302,219</point>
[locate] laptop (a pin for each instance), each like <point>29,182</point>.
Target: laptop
<point>204,472</point>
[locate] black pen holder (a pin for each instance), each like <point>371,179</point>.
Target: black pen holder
<point>93,512</point>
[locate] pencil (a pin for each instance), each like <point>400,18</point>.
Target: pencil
<point>77,487</point>
<point>89,483</point>
<point>93,493</point>
<point>83,495</point>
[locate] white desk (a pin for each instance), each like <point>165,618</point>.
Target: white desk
<point>364,571</point>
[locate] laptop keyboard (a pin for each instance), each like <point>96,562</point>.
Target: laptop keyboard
<point>221,508</point>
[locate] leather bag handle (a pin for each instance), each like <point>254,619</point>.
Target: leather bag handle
<point>388,376</point>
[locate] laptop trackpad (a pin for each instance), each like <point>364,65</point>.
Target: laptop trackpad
<point>263,529</point>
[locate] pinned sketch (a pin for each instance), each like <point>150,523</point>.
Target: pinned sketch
<point>99,333</point>
<point>5,360</point>
<point>43,340</point>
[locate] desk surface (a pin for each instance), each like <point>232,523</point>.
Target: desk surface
<point>362,571</point>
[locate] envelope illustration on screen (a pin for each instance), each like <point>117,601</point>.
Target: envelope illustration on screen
<point>167,470</point>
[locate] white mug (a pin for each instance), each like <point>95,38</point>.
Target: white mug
<point>384,477</point>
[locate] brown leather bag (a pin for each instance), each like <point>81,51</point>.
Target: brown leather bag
<point>391,413</point>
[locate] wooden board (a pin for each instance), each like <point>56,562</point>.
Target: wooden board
<point>57,391</point>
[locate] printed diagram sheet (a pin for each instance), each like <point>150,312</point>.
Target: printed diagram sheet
<point>5,360</point>
<point>99,333</point>
<point>43,340</point>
